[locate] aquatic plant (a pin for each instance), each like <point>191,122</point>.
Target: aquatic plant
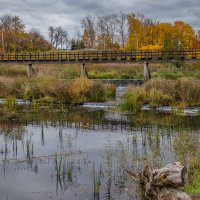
<point>97,178</point>
<point>58,165</point>
<point>187,150</point>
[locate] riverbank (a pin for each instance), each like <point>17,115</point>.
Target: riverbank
<point>51,89</point>
<point>178,94</point>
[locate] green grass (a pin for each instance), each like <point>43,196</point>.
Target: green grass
<point>105,71</point>
<point>114,74</point>
<point>189,156</point>
<point>194,186</point>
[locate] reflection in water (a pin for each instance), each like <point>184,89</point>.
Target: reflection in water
<point>81,154</point>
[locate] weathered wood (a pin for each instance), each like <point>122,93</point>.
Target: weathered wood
<point>164,183</point>
<point>89,56</point>
<point>170,193</point>
<point>170,175</point>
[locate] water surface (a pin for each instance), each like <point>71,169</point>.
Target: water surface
<point>80,153</point>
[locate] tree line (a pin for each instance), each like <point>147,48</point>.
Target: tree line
<point>108,32</point>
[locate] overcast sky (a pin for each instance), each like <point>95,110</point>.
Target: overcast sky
<point>68,13</point>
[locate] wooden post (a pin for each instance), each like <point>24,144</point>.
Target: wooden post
<point>29,70</point>
<point>83,71</point>
<point>147,73</point>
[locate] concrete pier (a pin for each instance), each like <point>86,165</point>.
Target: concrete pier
<point>29,70</point>
<point>147,73</point>
<point>83,70</point>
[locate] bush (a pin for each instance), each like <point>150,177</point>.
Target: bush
<point>68,91</point>
<point>158,98</point>
<point>97,92</point>
<point>188,91</point>
<point>163,92</point>
<point>110,91</point>
<point>134,98</point>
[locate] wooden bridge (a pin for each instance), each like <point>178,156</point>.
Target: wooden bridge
<point>92,56</point>
<point>102,56</point>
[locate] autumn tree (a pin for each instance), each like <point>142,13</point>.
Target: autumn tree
<point>12,29</point>
<point>36,41</point>
<point>135,32</point>
<point>14,38</point>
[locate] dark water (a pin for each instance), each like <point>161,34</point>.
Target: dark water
<point>80,153</point>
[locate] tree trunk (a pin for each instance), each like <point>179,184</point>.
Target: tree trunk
<point>164,183</point>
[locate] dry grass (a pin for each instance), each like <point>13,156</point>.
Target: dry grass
<point>183,92</point>
<point>103,70</point>
<point>68,91</point>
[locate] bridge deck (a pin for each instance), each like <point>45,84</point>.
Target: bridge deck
<point>102,56</point>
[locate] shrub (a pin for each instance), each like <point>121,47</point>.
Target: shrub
<point>188,91</point>
<point>163,92</point>
<point>78,90</point>
<point>110,91</point>
<point>134,98</point>
<point>97,92</point>
<point>158,98</point>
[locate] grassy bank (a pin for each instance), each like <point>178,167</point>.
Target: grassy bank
<point>183,92</point>
<point>186,146</point>
<point>106,71</point>
<point>135,71</point>
<point>51,88</point>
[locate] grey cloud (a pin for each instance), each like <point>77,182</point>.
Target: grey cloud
<point>68,13</point>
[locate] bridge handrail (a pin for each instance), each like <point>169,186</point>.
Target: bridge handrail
<point>102,55</point>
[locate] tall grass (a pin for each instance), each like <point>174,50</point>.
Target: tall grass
<point>104,71</point>
<point>183,92</point>
<point>186,146</point>
<point>49,88</point>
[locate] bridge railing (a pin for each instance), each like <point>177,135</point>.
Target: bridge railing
<point>79,56</point>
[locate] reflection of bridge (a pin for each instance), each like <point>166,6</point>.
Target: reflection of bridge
<point>83,57</point>
<point>108,125</point>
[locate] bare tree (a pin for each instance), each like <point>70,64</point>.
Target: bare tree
<point>89,34</point>
<point>51,33</point>
<point>122,28</point>
<point>107,30</point>
<point>58,37</point>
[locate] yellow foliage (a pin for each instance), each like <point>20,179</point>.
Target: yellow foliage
<point>145,34</point>
<point>151,47</point>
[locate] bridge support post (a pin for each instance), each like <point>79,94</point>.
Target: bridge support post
<point>83,71</point>
<point>147,73</point>
<point>29,70</point>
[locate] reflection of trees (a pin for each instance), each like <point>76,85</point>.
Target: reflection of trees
<point>162,120</point>
<point>94,119</point>
<point>12,130</point>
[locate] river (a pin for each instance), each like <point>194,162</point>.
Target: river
<point>80,153</point>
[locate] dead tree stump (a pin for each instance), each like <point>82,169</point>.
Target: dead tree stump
<point>164,183</point>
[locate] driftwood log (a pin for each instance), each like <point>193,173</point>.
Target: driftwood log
<point>164,183</point>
